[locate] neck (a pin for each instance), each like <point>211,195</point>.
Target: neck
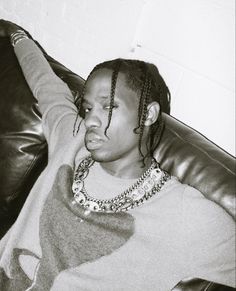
<point>129,170</point>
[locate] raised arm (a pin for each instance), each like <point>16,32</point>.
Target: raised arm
<point>56,102</point>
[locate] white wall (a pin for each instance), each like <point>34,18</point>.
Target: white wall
<point>191,41</point>
<point>79,33</point>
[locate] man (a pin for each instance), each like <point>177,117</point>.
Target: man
<point>103,215</point>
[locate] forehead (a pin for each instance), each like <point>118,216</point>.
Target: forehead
<point>99,84</point>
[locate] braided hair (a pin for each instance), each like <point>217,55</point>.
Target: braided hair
<point>145,79</point>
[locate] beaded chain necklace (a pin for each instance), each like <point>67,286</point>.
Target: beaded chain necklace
<point>143,189</point>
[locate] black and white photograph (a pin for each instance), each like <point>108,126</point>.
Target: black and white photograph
<point>117,145</point>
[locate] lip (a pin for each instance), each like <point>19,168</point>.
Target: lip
<point>93,145</point>
<point>93,141</point>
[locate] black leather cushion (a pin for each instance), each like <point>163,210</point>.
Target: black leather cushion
<point>23,150</point>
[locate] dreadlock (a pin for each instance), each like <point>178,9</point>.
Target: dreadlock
<point>145,79</point>
<point>112,94</point>
<point>142,111</point>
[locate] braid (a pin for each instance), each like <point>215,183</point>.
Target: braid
<point>140,107</point>
<point>80,101</point>
<point>112,94</point>
<point>79,105</point>
<point>144,115</point>
<point>144,98</point>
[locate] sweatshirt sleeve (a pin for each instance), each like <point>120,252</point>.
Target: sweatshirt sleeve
<point>56,102</point>
<point>209,238</point>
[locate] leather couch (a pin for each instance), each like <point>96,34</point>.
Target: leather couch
<point>183,152</point>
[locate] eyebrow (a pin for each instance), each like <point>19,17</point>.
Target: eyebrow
<point>102,97</point>
<point>84,101</point>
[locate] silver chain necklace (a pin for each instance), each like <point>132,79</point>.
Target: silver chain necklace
<point>143,189</point>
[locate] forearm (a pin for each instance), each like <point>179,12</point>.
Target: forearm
<point>56,102</point>
<point>45,85</point>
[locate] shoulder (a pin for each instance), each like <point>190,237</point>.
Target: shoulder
<point>208,238</point>
<point>196,205</point>
<point>197,211</point>
<point>204,221</point>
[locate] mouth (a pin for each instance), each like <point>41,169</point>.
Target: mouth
<point>93,142</point>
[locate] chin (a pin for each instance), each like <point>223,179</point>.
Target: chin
<point>98,156</point>
<point>102,157</point>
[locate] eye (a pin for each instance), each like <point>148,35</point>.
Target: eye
<point>86,110</point>
<point>108,107</point>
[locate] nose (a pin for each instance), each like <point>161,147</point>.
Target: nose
<point>92,120</point>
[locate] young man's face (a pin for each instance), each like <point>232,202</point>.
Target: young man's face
<point>121,143</point>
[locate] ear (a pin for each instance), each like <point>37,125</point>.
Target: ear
<point>153,111</point>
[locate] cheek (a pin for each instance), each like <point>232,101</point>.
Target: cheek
<point>121,130</point>
<point>124,137</point>
<point>124,122</point>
